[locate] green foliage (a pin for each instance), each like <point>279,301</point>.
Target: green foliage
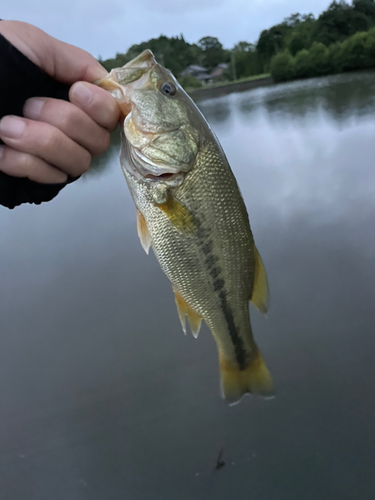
<point>244,47</point>
<point>370,48</point>
<point>212,51</point>
<point>189,82</point>
<point>174,53</point>
<point>367,7</point>
<point>246,60</point>
<point>302,64</point>
<point>282,66</point>
<point>116,62</point>
<point>339,22</point>
<point>342,38</point>
<point>301,36</point>
<point>272,41</point>
<point>319,59</point>
<point>354,53</point>
<point>336,57</point>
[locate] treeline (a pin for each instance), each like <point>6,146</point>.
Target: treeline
<point>306,45</point>
<point>356,52</point>
<point>175,53</point>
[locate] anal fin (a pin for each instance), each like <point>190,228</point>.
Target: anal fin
<point>260,295</point>
<point>143,233</point>
<point>184,310</point>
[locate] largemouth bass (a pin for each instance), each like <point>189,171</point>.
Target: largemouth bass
<point>191,212</point>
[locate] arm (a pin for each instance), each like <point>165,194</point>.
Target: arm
<point>53,142</point>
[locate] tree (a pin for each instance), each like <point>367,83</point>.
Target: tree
<point>319,59</point>
<point>367,7</point>
<point>174,53</point>
<point>244,47</point>
<point>270,42</point>
<point>293,20</point>
<point>282,66</point>
<point>335,57</point>
<point>339,22</point>
<point>190,82</point>
<point>246,59</point>
<point>370,49</point>
<point>303,67</point>
<point>355,52</point>
<point>212,51</point>
<point>301,36</point>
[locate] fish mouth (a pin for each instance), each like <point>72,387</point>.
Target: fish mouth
<point>134,75</point>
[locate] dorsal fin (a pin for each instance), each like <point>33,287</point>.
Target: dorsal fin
<point>183,310</point>
<point>143,233</point>
<point>260,295</point>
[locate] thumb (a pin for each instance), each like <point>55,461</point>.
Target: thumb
<point>62,61</point>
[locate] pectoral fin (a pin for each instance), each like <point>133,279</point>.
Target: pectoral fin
<point>179,215</point>
<point>184,310</point>
<point>260,295</point>
<point>143,233</point>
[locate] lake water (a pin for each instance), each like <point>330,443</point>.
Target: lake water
<point>101,394</point>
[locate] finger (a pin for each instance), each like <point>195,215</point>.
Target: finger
<point>19,164</point>
<point>46,142</point>
<point>97,103</point>
<point>71,120</point>
<point>60,60</point>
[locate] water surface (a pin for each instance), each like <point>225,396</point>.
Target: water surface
<point>101,394</point>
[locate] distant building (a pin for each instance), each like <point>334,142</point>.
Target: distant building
<point>199,72</point>
<point>202,73</point>
<point>218,72</point>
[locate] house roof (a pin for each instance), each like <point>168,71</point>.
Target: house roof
<point>219,70</point>
<point>193,68</point>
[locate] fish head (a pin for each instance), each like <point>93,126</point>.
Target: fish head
<point>162,127</point>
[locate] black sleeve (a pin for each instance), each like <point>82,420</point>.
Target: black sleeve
<point>21,79</point>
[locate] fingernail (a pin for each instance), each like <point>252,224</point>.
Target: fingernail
<point>81,94</point>
<point>33,108</point>
<point>12,127</point>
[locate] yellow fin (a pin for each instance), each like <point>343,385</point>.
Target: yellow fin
<point>255,378</point>
<point>260,295</point>
<point>184,309</point>
<point>143,233</point>
<point>178,214</point>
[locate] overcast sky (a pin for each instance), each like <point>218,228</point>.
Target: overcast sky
<point>104,27</point>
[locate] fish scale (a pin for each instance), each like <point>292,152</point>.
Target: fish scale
<point>191,211</point>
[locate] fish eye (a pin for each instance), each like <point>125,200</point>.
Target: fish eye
<point>168,89</point>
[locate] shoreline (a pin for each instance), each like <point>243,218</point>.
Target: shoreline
<point>210,92</point>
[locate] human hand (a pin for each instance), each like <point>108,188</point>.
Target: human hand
<point>56,138</point>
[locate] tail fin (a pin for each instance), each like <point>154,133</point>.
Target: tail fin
<point>255,378</point>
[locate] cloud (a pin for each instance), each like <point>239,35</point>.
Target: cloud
<point>167,8</point>
<point>104,28</point>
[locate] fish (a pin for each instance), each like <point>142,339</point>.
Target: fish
<point>191,213</point>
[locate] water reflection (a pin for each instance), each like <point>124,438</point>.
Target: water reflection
<point>340,96</point>
<point>102,396</point>
<point>218,111</point>
<point>106,160</point>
